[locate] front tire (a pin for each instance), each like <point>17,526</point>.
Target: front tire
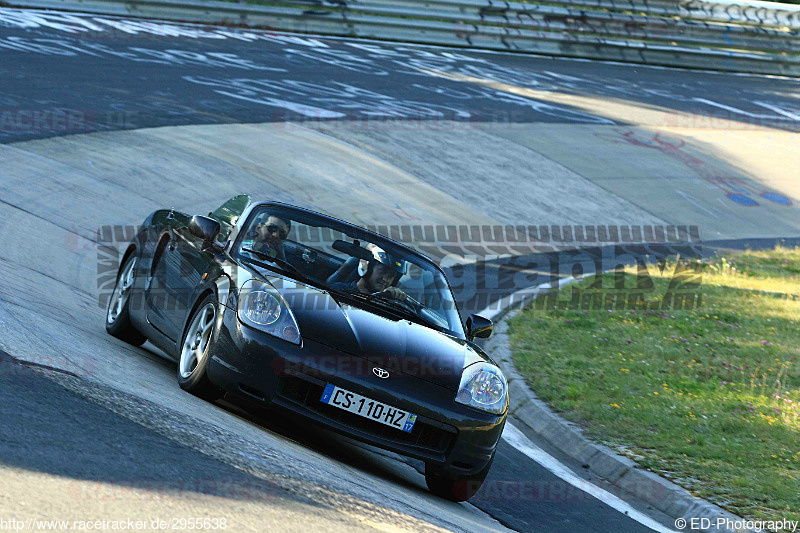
<point>195,348</point>
<point>455,488</point>
<point>118,320</point>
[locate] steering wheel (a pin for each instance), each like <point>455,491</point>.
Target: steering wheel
<point>409,302</point>
<point>417,308</point>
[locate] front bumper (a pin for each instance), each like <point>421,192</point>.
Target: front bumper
<point>456,438</point>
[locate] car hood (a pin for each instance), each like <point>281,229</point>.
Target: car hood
<point>398,346</point>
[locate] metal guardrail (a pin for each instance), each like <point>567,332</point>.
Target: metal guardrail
<point>728,35</point>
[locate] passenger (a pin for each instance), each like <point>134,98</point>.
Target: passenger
<point>378,274</point>
<point>269,235</point>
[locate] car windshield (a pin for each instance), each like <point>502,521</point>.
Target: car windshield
<point>350,262</point>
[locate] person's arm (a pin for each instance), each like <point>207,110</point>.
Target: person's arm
<point>396,294</point>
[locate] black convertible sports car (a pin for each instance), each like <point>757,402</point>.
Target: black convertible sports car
<point>335,324</point>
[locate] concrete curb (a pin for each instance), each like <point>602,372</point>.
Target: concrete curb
<point>529,412</point>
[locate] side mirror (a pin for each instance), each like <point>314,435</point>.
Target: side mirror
<point>477,326</point>
<point>204,228</point>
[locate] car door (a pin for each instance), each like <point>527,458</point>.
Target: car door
<point>168,273</point>
<point>179,264</point>
<point>192,263</point>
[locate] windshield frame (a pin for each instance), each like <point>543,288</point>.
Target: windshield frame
<point>236,237</point>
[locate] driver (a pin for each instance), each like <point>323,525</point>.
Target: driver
<point>378,274</point>
<point>269,235</point>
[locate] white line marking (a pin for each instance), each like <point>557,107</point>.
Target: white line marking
<point>518,440</point>
<point>515,438</point>
<point>778,110</point>
<point>689,198</point>
<point>737,110</point>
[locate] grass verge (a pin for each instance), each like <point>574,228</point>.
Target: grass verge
<point>707,397</point>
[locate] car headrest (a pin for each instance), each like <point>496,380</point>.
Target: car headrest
<point>346,273</point>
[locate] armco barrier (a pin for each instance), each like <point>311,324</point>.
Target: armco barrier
<point>728,35</point>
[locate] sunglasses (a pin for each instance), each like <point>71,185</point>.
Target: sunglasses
<point>274,229</point>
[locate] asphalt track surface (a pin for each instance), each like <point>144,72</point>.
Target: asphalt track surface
<point>67,76</point>
<point>109,74</point>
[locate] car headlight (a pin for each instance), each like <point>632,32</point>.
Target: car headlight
<point>483,386</point>
<point>262,307</point>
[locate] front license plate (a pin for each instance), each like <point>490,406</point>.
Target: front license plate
<point>368,408</point>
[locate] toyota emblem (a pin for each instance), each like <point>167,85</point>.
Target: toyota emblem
<point>381,373</point>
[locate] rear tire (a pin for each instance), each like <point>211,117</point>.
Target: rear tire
<point>455,488</point>
<point>118,320</point>
<point>194,351</point>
